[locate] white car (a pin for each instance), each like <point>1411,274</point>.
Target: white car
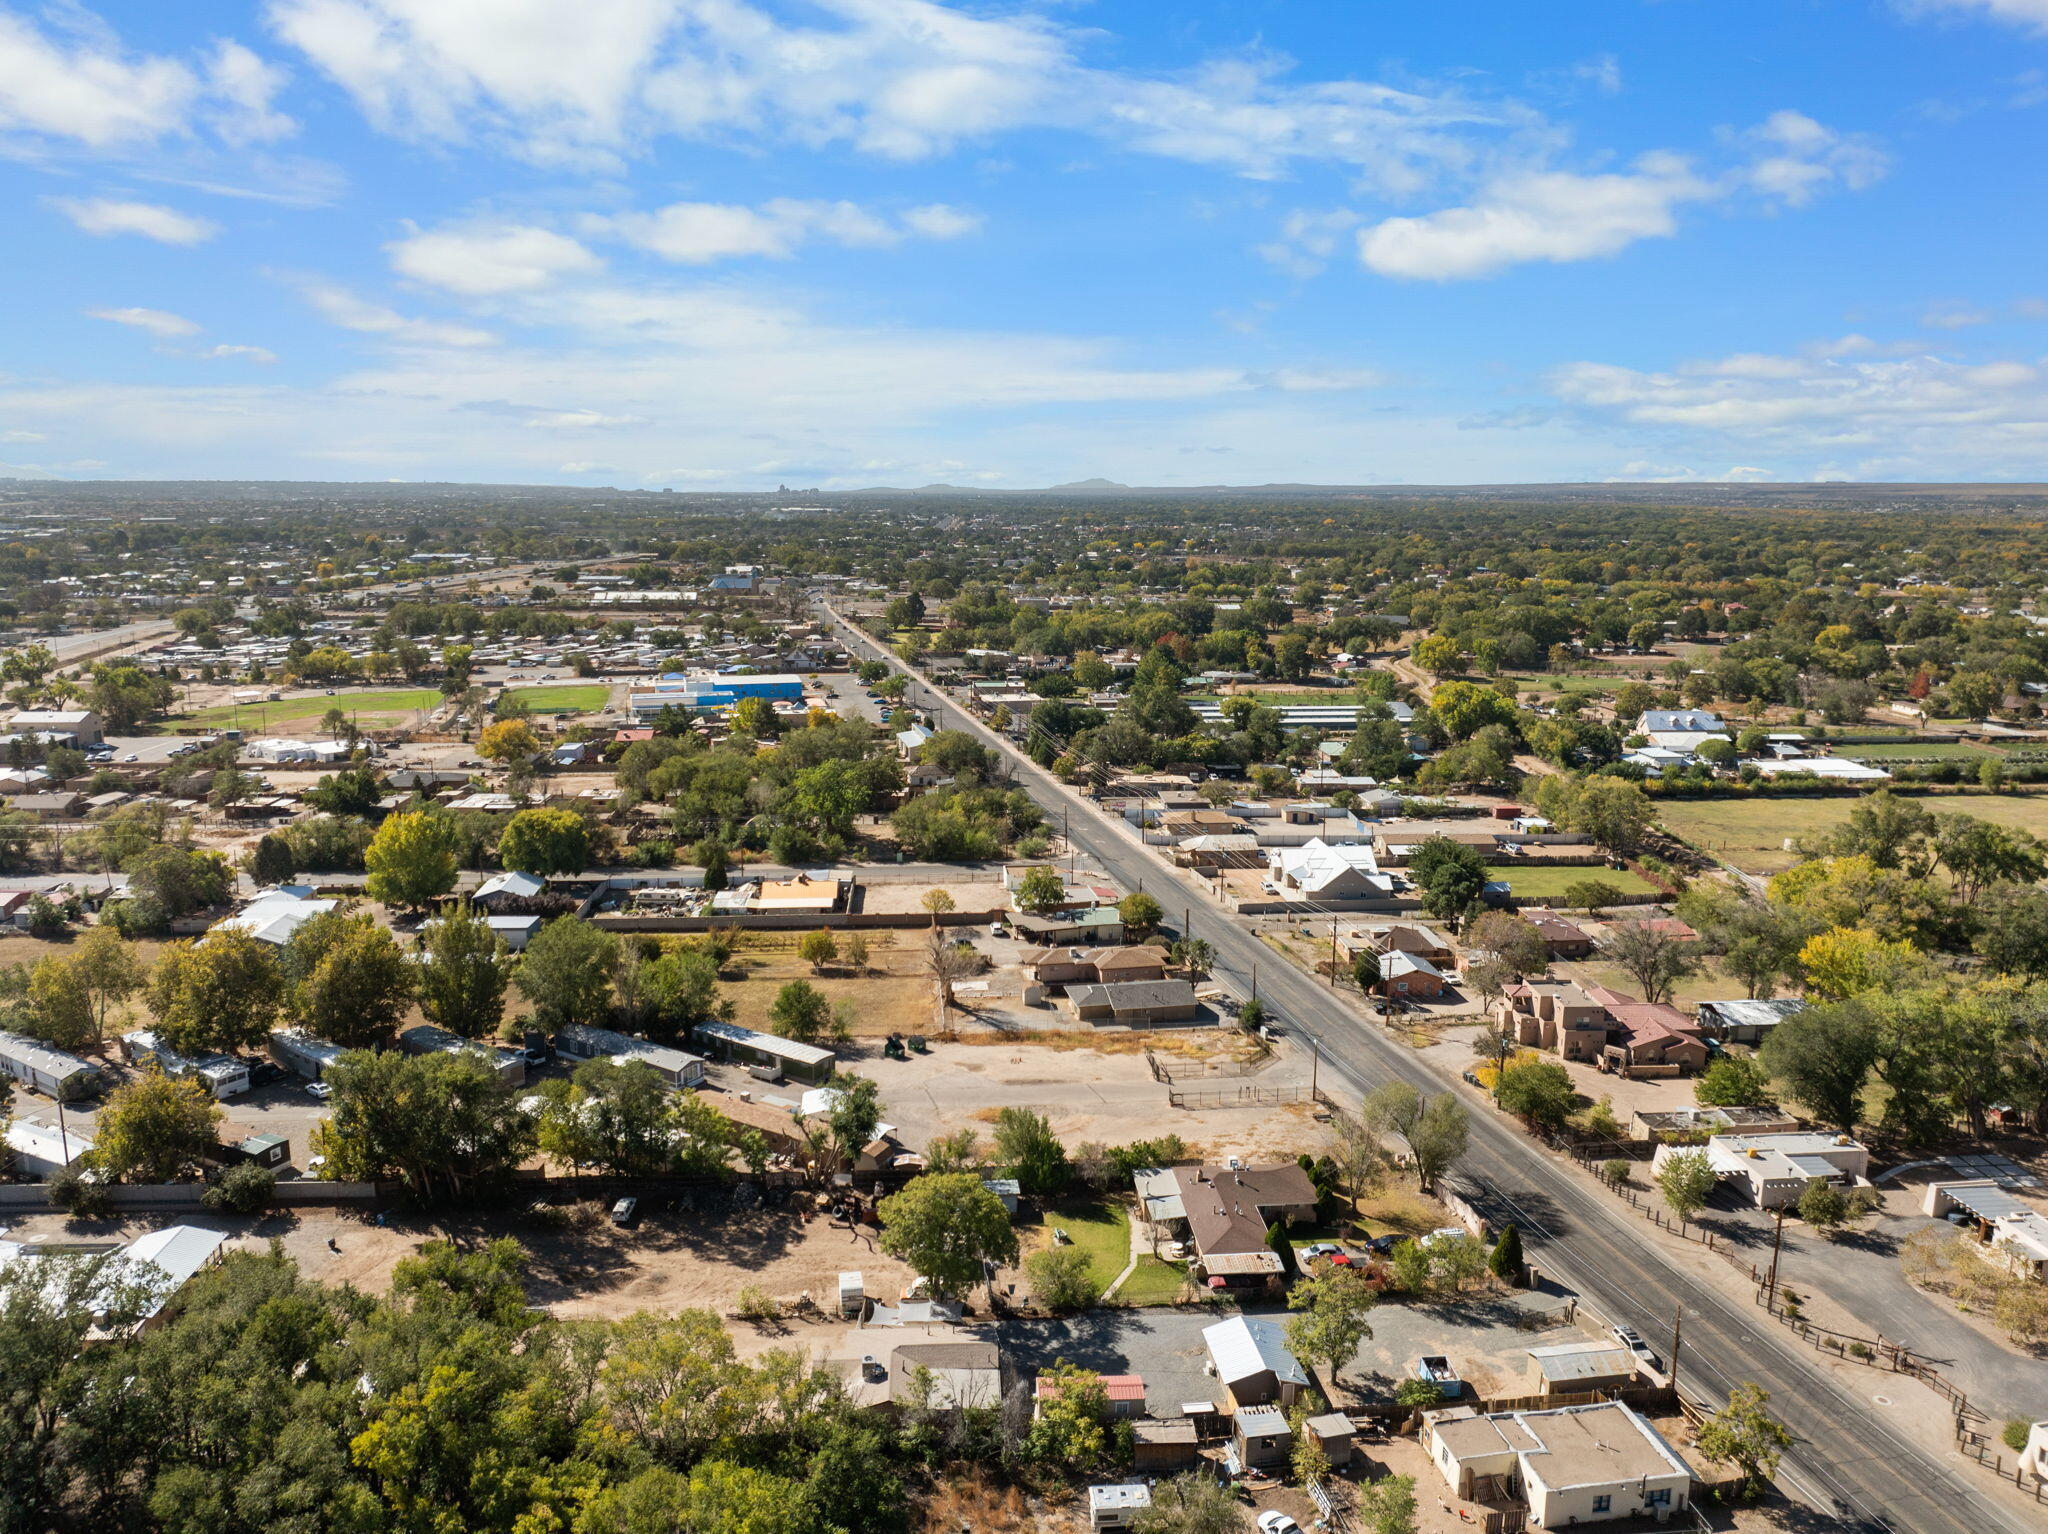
<point>1274,1521</point>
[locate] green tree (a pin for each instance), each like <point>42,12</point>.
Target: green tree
<point>1439,656</point>
<point>1062,1278</point>
<point>271,861</point>
<point>947,1227</point>
<point>411,859</point>
<point>1026,1145</point>
<point>1824,1058</point>
<point>1744,1434</point>
<point>154,1129</point>
<point>1437,1138</point>
<point>1687,1181</point>
<point>1511,940</point>
<point>1655,958</point>
<point>1540,1091</point>
<point>1074,1428</point>
<point>1449,875</point>
<point>1591,895</point>
<point>105,963</point>
<point>445,1124</point>
<point>1333,1316</point>
<point>1505,1262</point>
<point>817,949</point>
<point>615,1115</point>
<point>549,843</point>
<point>179,880</point>
<point>1734,1081</point>
<point>1365,970</point>
<point>1387,1506</point>
<point>222,994</point>
<point>1041,890</point>
<point>60,1008</point>
<point>462,982</point>
<point>351,983</point>
<point>800,1012</point>
<point>1190,1504</point>
<point>1139,913</point>
<point>682,987</point>
<point>566,972</point>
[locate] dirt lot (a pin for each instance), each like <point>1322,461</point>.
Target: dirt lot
<point>585,1266</point>
<point>1105,1092</point>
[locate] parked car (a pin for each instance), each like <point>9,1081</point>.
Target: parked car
<point>1631,1339</point>
<point>1273,1521</point>
<point>319,1091</point>
<point>626,1212</point>
<point>264,1072</point>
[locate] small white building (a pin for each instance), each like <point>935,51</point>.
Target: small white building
<point>1117,1507</point>
<point>1571,1465</point>
<point>274,916</point>
<point>41,1151</point>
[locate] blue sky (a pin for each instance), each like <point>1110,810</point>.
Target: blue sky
<point>736,243</point>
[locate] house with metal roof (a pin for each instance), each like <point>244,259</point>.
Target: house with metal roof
<point>1253,1361</point>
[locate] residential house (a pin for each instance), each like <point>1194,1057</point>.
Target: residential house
<point>1092,966</point>
<point>1566,940</point>
<point>2015,1234</point>
<point>1227,1211</point>
<point>802,893</point>
<point>1774,1169</point>
<point>1571,1368</point>
<point>1685,1125</point>
<point>1135,1003</point>
<point>679,1069</point>
<point>1405,937</point>
<point>1325,874</point>
<point>60,726</point>
<point>764,1052</point>
<point>41,1151</point>
<point>1253,1362</point>
<point>1405,974</point>
<point>508,888</point>
<point>1097,925</point>
<point>1125,1394</point>
<point>1648,1038</point>
<point>275,915</point>
<point>1555,1015</point>
<point>47,807</point>
<point>1570,1465</point>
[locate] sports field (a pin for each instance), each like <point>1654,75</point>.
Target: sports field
<point>370,710</point>
<point>587,699</point>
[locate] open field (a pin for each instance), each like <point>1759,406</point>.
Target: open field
<point>370,710</point>
<point>1551,883</point>
<point>1750,833</point>
<point>586,699</point>
<point>1916,751</point>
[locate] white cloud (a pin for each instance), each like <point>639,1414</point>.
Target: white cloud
<point>74,83</point>
<point>157,322</point>
<point>938,221</point>
<point>248,353</point>
<point>489,258</point>
<point>1954,317</point>
<point>2030,14</point>
<point>1977,420</point>
<point>1553,215</point>
<point>900,79</point>
<point>107,215</point>
<point>582,420</point>
<point>698,233</point>
<point>1603,70</point>
<point>24,436</point>
<point>1548,216</point>
<point>587,468</point>
<point>1641,472</point>
<point>1324,380</point>
<point>346,309</point>
<point>1308,238</point>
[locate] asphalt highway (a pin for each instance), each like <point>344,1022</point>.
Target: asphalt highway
<point>1849,1464</point>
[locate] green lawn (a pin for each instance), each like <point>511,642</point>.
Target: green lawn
<point>587,699</point>
<point>1152,1282</point>
<point>391,706</point>
<point>1551,883</point>
<point>1100,1229</point>
<point>1915,751</point>
<point>1750,833</point>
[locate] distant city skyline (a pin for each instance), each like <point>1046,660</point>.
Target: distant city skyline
<point>734,244</point>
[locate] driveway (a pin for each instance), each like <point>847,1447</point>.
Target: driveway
<point>1164,1346</point>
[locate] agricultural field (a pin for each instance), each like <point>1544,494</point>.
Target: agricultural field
<point>1750,833</point>
<point>370,710</point>
<point>585,699</point>
<point>1917,751</point>
<point>1551,883</point>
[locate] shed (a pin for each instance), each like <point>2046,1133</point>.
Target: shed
<point>1008,1189</point>
<point>1162,1448</point>
<point>41,1151</point>
<point>1336,1433</point>
<point>1261,1436</point>
<point>264,1150</point>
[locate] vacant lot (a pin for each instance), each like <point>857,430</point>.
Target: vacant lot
<point>1750,833</point>
<point>561,700</point>
<point>370,710</point>
<point>1551,883</point>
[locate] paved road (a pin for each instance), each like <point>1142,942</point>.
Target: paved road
<point>1850,1462</point>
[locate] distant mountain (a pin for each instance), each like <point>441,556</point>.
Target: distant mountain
<point>1092,484</point>
<point>25,471</point>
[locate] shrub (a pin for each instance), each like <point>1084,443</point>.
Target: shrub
<point>757,1304</point>
<point>242,1189</point>
<point>82,1197</point>
<point>1060,1278</point>
<point>1614,1173</point>
<point>2014,1434</point>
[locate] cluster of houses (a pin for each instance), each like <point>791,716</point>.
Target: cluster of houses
<point>1667,738</point>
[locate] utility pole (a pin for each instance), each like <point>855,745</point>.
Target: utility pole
<point>1333,953</point>
<point>1777,1245</point>
<point>1677,1322</point>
